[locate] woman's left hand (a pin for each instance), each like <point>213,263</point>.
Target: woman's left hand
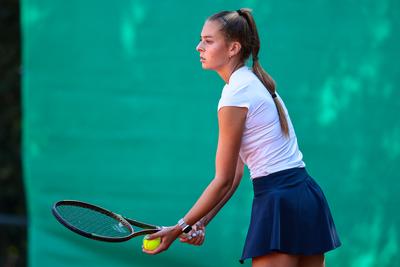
<point>196,236</point>
<point>167,235</point>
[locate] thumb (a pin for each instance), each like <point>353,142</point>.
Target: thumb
<point>155,235</point>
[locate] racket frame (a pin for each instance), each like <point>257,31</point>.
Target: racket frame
<point>147,228</point>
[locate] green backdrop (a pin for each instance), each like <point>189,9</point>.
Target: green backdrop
<point>118,112</point>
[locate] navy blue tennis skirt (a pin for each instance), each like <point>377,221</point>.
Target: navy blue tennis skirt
<point>289,215</point>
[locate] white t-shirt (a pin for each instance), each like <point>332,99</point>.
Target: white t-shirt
<point>264,148</point>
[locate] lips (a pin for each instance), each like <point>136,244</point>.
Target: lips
<point>202,58</point>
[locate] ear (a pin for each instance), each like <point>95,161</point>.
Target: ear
<point>234,48</point>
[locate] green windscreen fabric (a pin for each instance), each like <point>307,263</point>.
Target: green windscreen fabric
<point>118,113</point>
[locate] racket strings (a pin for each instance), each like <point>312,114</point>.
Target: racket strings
<point>94,222</point>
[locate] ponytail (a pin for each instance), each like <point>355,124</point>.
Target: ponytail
<point>269,83</point>
<point>262,75</point>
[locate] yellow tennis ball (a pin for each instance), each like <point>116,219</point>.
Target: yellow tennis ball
<point>151,244</point>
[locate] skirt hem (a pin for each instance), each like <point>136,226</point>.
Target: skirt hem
<point>288,251</point>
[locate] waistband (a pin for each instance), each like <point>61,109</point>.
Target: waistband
<point>279,180</point>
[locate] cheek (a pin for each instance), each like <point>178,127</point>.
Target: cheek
<point>218,52</point>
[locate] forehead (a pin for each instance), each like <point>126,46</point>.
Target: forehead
<point>211,29</point>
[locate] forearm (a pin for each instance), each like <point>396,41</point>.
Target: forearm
<point>231,122</point>
<point>207,218</point>
<point>238,177</point>
<point>211,197</point>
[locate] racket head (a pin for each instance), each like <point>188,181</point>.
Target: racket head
<point>92,221</point>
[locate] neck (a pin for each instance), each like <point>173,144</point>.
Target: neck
<point>226,72</point>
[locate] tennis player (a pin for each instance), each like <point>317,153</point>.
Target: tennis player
<point>291,224</point>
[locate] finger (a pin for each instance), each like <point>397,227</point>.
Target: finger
<point>184,239</point>
<point>153,252</point>
<point>187,240</point>
<point>190,241</point>
<point>195,239</point>
<point>156,235</point>
<point>201,238</point>
<point>184,236</point>
<point>198,241</point>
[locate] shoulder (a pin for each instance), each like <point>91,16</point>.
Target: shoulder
<point>240,83</point>
<point>241,78</point>
<point>243,90</point>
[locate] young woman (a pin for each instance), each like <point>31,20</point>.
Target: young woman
<point>291,224</point>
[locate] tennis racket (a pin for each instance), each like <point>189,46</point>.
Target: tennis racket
<point>98,223</point>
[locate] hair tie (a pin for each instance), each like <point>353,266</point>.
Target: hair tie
<point>239,12</point>
<point>255,58</point>
<point>273,95</point>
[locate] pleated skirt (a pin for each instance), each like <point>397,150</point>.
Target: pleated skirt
<point>290,214</point>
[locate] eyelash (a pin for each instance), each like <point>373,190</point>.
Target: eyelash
<point>206,41</point>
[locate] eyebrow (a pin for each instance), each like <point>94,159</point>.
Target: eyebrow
<point>206,36</point>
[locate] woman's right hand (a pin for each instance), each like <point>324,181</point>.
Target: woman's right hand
<point>196,236</point>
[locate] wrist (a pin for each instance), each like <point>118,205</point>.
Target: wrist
<point>177,230</point>
<point>204,221</point>
<point>185,228</point>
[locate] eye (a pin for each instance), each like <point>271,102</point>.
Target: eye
<point>206,41</point>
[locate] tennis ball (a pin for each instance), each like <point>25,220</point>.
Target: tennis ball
<point>151,244</point>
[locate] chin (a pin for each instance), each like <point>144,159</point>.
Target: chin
<point>206,67</point>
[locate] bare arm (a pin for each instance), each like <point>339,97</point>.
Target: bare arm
<point>197,235</point>
<point>231,122</point>
<point>238,177</point>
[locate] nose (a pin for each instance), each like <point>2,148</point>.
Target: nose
<point>200,47</point>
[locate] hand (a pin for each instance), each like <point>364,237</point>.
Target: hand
<point>196,236</point>
<point>168,235</point>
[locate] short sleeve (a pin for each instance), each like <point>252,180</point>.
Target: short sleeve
<point>234,97</point>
